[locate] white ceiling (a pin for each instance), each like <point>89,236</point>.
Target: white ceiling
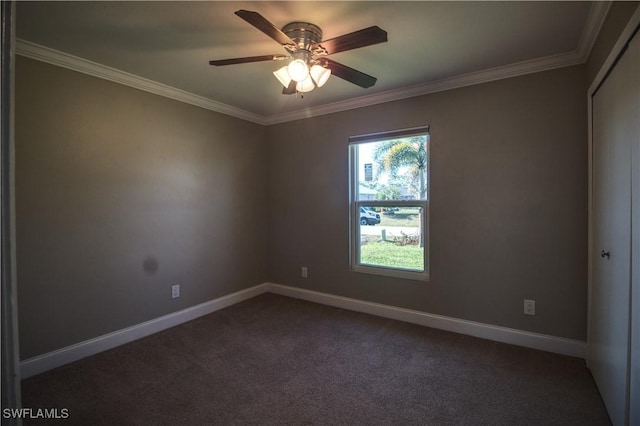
<point>432,45</point>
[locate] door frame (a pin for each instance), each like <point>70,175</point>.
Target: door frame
<point>10,352</point>
<point>619,47</point>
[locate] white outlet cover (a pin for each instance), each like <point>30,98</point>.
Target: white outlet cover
<point>529,307</point>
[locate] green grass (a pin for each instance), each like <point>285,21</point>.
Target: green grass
<point>392,255</point>
<point>402,217</point>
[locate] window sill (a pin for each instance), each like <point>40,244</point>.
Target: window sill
<point>396,273</point>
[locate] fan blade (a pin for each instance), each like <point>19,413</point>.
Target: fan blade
<point>354,40</point>
<point>291,89</point>
<point>261,23</point>
<point>351,75</point>
<point>248,59</point>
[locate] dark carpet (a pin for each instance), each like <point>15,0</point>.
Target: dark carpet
<point>276,360</point>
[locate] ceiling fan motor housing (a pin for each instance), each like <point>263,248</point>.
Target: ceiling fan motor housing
<point>304,34</point>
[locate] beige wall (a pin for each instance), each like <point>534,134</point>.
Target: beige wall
<point>119,195</point>
<point>508,202</point>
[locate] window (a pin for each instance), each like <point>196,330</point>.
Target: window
<point>390,203</point>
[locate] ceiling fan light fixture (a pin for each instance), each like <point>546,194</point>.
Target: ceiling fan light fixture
<point>298,70</point>
<point>283,76</point>
<point>305,85</point>
<point>320,74</point>
<point>305,47</point>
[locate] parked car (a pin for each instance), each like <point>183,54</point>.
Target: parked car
<point>368,217</point>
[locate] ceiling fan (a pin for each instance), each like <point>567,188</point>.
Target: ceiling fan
<point>309,66</point>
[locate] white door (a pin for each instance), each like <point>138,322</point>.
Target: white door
<point>616,115</point>
<point>634,388</point>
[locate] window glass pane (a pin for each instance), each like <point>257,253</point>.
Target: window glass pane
<point>392,169</point>
<point>389,195</point>
<point>391,237</point>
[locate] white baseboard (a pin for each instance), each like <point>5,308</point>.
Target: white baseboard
<point>60,357</point>
<point>559,345</point>
<point>66,355</point>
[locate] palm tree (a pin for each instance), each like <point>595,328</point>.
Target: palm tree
<point>408,153</point>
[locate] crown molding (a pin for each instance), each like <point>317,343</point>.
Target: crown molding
<point>597,15</point>
<point>65,60</point>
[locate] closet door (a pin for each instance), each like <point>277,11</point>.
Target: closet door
<point>634,352</point>
<point>616,114</point>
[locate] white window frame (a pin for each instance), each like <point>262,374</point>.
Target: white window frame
<point>355,204</point>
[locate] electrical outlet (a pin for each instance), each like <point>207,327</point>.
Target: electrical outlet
<point>529,307</point>
<point>175,291</point>
<point>304,272</point>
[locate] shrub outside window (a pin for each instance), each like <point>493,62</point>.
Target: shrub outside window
<point>390,203</point>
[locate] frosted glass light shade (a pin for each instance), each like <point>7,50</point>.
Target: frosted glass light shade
<point>283,76</point>
<point>305,85</point>
<point>298,70</point>
<point>320,74</point>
